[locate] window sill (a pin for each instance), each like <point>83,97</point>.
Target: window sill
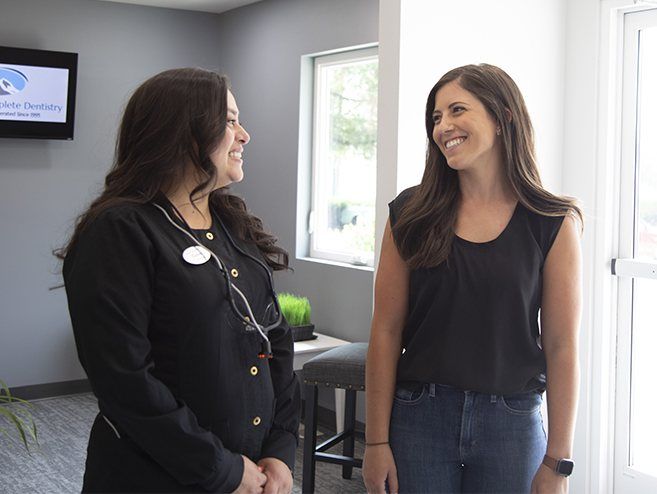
<point>336,263</point>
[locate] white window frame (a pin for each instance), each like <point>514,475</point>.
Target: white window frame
<point>625,267</point>
<point>319,144</point>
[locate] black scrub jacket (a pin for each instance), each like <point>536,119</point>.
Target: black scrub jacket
<point>175,372</point>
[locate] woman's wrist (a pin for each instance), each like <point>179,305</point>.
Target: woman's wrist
<point>376,434</point>
<point>559,450</point>
<point>376,443</point>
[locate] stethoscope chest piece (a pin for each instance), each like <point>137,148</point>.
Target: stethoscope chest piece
<point>196,255</point>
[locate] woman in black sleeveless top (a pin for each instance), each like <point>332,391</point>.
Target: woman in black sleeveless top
<point>477,308</point>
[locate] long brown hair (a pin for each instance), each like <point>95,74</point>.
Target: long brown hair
<point>176,117</point>
<point>424,230</point>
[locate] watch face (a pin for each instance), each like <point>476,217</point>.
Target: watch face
<point>565,467</point>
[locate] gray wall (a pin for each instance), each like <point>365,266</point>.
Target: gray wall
<point>267,41</point>
<point>44,184</point>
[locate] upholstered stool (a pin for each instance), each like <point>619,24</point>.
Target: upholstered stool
<point>342,367</point>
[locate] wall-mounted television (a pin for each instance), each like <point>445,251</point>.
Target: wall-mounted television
<point>37,93</point>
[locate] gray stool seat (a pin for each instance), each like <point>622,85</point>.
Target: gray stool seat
<point>342,367</point>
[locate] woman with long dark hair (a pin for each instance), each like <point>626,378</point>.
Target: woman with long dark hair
<point>176,322</point>
<point>477,306</point>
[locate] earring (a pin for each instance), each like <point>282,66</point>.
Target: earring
<point>498,131</point>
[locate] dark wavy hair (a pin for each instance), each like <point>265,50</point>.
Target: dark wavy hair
<point>176,117</point>
<point>424,230</point>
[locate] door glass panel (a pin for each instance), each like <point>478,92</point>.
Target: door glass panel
<point>643,428</point>
<point>646,226</point>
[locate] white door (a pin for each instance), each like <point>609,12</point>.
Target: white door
<point>635,447</point>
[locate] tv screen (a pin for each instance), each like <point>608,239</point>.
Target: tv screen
<point>37,93</point>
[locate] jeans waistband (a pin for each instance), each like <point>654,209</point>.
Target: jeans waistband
<point>493,397</point>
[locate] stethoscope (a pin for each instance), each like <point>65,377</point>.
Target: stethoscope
<point>200,254</point>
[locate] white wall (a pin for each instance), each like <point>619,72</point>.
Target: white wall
<point>523,37</point>
<point>580,149</point>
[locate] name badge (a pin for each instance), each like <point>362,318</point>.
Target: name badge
<point>196,255</point>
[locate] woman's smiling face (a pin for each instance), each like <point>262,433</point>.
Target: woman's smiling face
<point>463,129</point>
<point>227,158</point>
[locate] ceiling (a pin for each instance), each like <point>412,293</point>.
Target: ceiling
<point>214,6</point>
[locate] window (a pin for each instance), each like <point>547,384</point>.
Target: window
<point>341,220</point>
<point>636,267</point>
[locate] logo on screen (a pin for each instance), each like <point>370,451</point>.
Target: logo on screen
<point>11,81</point>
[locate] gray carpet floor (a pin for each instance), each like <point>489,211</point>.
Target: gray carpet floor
<point>57,465</point>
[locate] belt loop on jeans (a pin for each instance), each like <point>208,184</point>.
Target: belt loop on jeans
<point>432,390</point>
<point>493,398</point>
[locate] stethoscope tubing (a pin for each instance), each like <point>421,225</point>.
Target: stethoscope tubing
<point>251,321</point>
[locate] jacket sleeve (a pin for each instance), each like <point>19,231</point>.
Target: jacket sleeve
<point>109,284</point>
<point>284,435</point>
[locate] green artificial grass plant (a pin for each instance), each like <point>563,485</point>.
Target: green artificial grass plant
<point>17,412</point>
<point>295,309</point>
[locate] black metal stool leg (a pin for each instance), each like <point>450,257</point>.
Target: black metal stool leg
<point>309,439</point>
<point>349,428</point>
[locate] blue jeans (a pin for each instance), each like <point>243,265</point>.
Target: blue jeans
<point>447,440</point>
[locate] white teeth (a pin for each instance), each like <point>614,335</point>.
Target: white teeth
<point>454,142</point>
<point>235,154</point>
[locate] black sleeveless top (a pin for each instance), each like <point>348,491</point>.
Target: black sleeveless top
<point>473,321</point>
